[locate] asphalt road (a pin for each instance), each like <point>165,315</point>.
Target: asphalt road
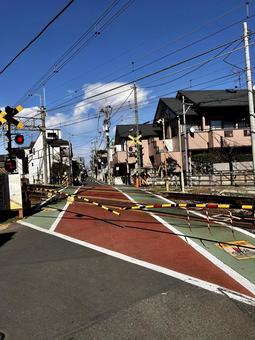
<point>53,289</point>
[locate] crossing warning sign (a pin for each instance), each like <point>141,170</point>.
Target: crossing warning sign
<point>238,249</point>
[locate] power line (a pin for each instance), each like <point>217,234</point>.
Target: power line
<point>72,51</point>
<point>197,67</point>
<point>36,37</point>
<point>179,38</point>
<point>159,71</point>
<point>71,101</point>
<point>154,99</point>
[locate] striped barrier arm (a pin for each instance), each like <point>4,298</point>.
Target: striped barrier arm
<point>191,205</point>
<point>97,204</point>
<point>79,197</point>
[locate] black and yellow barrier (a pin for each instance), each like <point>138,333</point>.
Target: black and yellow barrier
<point>72,197</point>
<point>191,205</point>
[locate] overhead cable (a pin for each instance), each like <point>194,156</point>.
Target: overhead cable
<point>36,37</point>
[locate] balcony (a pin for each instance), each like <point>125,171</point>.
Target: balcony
<point>229,138</point>
<point>218,138</point>
<point>121,157</point>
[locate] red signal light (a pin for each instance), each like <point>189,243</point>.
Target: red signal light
<point>19,139</point>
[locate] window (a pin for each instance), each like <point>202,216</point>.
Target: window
<point>52,135</point>
<point>243,123</point>
<point>228,124</point>
<point>228,133</point>
<point>247,133</point>
<point>216,124</point>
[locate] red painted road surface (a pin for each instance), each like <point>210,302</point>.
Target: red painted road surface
<point>139,235</point>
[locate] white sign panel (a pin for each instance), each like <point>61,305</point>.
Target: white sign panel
<point>15,194</point>
<point>169,144</point>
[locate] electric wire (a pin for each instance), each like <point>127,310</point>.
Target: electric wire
<point>191,44</point>
<point>36,37</point>
<point>75,48</point>
<point>157,72</point>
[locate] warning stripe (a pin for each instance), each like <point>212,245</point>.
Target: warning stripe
<point>191,205</point>
<point>97,204</point>
<point>164,205</point>
<point>79,197</point>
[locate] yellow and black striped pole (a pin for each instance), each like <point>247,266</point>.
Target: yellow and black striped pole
<point>192,205</point>
<point>78,197</point>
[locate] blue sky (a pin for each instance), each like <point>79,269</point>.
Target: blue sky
<point>147,36</point>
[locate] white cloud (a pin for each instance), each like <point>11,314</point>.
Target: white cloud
<point>56,120</point>
<point>121,93</point>
<point>82,129</point>
<point>29,112</point>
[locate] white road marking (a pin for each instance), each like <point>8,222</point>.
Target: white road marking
<point>232,273</point>
<point>61,214</point>
<point>203,216</point>
<point>183,277</point>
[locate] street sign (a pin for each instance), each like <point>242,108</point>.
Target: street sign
<point>7,116</point>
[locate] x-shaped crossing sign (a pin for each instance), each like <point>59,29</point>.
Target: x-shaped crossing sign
<point>136,139</point>
<point>7,116</point>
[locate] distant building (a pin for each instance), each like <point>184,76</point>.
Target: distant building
<point>59,158</point>
<point>124,159</point>
<point>216,136</point>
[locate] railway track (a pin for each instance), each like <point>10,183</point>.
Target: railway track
<point>201,198</point>
<point>239,218</point>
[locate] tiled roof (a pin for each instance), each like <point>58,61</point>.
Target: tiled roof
<point>146,130</point>
<point>172,107</point>
<point>216,98</point>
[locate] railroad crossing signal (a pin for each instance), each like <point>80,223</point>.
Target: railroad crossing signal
<point>19,139</point>
<point>136,139</point>
<point>10,165</point>
<point>7,116</point>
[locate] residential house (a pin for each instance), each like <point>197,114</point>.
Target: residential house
<point>210,127</point>
<point>124,159</point>
<point>100,164</point>
<point>59,158</point>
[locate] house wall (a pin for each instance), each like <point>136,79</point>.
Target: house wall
<point>35,158</point>
<point>35,162</point>
<point>124,155</point>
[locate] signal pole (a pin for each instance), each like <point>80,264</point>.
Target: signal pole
<point>137,130</point>
<point>9,142</point>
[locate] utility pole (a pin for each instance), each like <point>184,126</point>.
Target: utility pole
<point>250,92</point>
<point>9,141</point>
<point>180,150</point>
<point>162,120</point>
<point>70,154</point>
<point>186,152</point>
<point>127,165</point>
<point>137,131</point>
<point>43,130</point>
<point>106,127</point>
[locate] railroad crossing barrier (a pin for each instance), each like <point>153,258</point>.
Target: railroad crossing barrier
<point>191,205</point>
<point>73,197</point>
